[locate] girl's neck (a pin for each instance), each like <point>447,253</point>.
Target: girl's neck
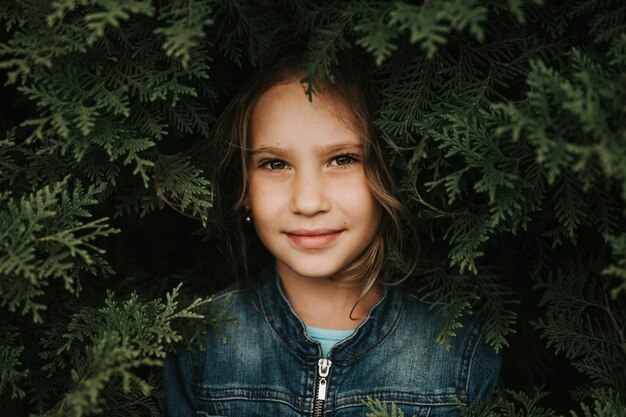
<point>320,302</point>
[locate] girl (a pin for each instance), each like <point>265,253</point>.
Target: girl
<point>322,330</point>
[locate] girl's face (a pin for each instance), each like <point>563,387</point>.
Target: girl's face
<point>310,200</point>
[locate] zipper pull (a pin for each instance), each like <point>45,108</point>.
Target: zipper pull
<point>323,368</point>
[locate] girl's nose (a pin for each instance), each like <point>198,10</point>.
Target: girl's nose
<point>309,194</point>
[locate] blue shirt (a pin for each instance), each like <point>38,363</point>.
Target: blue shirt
<point>269,366</point>
<point>327,338</point>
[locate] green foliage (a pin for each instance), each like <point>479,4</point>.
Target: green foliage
<point>110,109</point>
<point>429,24</point>
<point>98,14</point>
<point>504,123</point>
<point>606,403</point>
<point>10,370</point>
<point>618,245</point>
<point>103,348</point>
<point>560,107</point>
<point>186,21</point>
<point>512,404</point>
<point>185,186</point>
<point>379,408</point>
<point>44,238</point>
<point>582,323</point>
<point>457,295</point>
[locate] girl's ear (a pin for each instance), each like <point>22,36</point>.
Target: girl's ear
<point>245,201</point>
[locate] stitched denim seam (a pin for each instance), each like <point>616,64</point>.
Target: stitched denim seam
<point>202,393</point>
<point>286,300</point>
<point>466,362</point>
<point>333,408</point>
<point>220,296</point>
<point>193,363</point>
<point>411,295</point>
<point>251,389</point>
<point>406,393</point>
<point>415,402</point>
<point>471,362</point>
<point>277,334</point>
<point>252,398</point>
<point>228,298</point>
<point>411,403</point>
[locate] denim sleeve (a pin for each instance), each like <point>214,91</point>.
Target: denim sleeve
<point>177,381</point>
<point>483,373</point>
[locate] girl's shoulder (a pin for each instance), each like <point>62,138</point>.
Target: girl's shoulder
<point>447,340</point>
<point>235,301</point>
<point>243,290</point>
<point>436,322</point>
<point>232,292</point>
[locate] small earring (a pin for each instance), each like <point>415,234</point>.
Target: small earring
<point>248,217</point>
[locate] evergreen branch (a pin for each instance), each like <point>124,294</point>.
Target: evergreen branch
<point>256,28</point>
<point>10,363</point>
<point>140,201</point>
<point>183,186</point>
<point>323,49</point>
<point>37,46</point>
<point>99,13</point>
<point>466,235</point>
<point>428,24</point>
<point>109,357</point>
<point>455,295</point>
<point>105,346</point>
<point>516,8</point>
<point>617,327</point>
<point>378,35</point>
<point>581,322</point>
<point>571,207</point>
<point>606,403</point>
<point>11,14</point>
<point>186,20</point>
<point>10,171</point>
<point>46,222</point>
<point>558,107</point>
<point>452,323</point>
<point>525,405</point>
<point>618,268</point>
<point>508,403</point>
<point>379,408</point>
<point>79,246</point>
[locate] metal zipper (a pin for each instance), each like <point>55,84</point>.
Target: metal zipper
<point>323,369</point>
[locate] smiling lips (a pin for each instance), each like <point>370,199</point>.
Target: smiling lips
<point>313,239</point>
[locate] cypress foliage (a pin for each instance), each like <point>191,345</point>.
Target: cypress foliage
<point>505,122</point>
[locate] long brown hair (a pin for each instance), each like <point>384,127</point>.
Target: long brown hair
<point>226,160</point>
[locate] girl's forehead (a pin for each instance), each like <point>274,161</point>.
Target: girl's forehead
<point>293,89</point>
<point>285,110</point>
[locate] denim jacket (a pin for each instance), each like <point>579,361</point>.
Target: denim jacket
<point>269,367</point>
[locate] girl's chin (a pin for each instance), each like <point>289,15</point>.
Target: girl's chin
<point>308,272</point>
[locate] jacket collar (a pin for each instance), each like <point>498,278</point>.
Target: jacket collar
<point>381,320</point>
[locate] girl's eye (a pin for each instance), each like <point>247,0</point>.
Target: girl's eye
<point>274,165</point>
<point>343,160</point>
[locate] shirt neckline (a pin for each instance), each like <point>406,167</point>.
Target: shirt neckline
<point>333,334</point>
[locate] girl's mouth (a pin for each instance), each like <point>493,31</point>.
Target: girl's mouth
<point>313,239</point>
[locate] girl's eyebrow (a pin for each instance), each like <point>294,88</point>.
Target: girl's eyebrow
<point>342,147</point>
<point>325,150</point>
<point>270,150</point>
